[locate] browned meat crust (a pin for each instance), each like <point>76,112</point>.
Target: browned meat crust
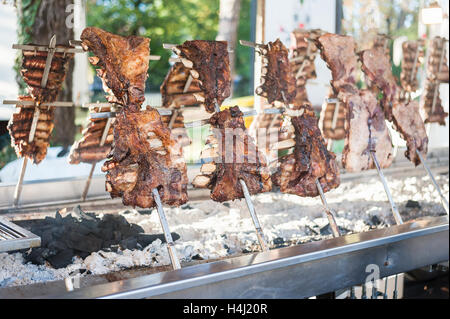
<point>236,158</point>
<point>88,148</point>
<point>145,157</point>
<point>276,74</point>
<point>309,161</point>
<point>19,127</point>
<point>366,130</point>
<point>211,66</point>
<point>413,56</point>
<point>123,63</point>
<point>338,51</point>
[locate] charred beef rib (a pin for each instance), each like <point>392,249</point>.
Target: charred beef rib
<point>19,128</point>
<point>33,65</point>
<point>309,161</point>
<point>145,157</point>
<point>123,63</point>
<point>89,149</point>
<point>235,157</point>
<point>208,62</point>
<point>366,130</point>
<point>405,116</point>
<point>413,56</point>
<point>276,74</point>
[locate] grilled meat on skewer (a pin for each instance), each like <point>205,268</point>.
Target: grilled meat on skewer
<point>436,70</point>
<point>175,122</point>
<point>310,160</point>
<point>366,130</point>
<point>405,116</point>
<point>145,157</point>
<point>276,74</point>
<point>430,96</point>
<point>33,65</point>
<point>123,63</point>
<point>338,51</point>
<point>88,148</point>
<point>209,63</point>
<point>19,128</point>
<point>235,157</point>
<point>413,55</point>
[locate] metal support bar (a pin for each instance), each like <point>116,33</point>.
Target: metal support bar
<point>433,180</point>
<point>328,211</point>
<point>48,62</point>
<point>397,217</point>
<point>251,209</point>
<point>18,189</point>
<point>165,226</point>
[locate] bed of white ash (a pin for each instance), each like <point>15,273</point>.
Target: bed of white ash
<point>210,230</point>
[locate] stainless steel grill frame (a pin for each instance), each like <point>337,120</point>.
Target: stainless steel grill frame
<point>13,237</point>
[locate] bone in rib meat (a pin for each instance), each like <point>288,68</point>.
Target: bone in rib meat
<point>89,149</point>
<point>145,157</point>
<point>209,63</point>
<point>338,51</point>
<point>123,63</point>
<point>404,115</point>
<point>332,119</point>
<point>276,74</point>
<point>19,128</point>
<point>413,55</point>
<point>366,130</point>
<point>437,71</point>
<point>235,157</point>
<point>33,65</point>
<point>309,161</point>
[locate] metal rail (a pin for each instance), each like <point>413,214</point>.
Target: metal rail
<point>293,272</point>
<point>13,237</point>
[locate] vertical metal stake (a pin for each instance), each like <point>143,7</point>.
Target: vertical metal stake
<point>165,226</point>
<point>397,217</point>
<point>433,180</point>
<point>328,211</point>
<point>88,183</point>
<point>18,189</point>
<point>251,208</point>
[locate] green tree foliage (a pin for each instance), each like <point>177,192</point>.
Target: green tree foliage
<point>164,21</point>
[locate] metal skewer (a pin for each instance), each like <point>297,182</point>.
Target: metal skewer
<point>433,180</point>
<point>165,226</point>
<point>397,217</point>
<point>251,209</point>
<point>328,211</point>
<point>37,112</point>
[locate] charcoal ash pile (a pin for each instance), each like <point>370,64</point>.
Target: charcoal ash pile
<point>81,234</point>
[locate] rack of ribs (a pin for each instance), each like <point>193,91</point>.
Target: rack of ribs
<point>437,72</point>
<point>145,157</point>
<point>209,64</point>
<point>366,131</point>
<point>19,128</point>
<point>338,51</point>
<point>90,149</point>
<point>413,56</point>
<point>310,160</point>
<point>123,63</point>
<point>332,118</point>
<point>277,78</point>
<point>234,157</point>
<point>33,65</point>
<point>405,116</point>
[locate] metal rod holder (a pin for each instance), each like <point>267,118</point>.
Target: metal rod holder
<point>88,183</point>
<point>251,208</point>
<point>18,189</point>
<point>433,180</point>
<point>397,217</point>
<point>165,226</point>
<point>328,211</point>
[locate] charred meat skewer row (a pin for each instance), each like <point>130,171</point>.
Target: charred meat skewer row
<point>413,56</point>
<point>405,116</point>
<point>235,158</point>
